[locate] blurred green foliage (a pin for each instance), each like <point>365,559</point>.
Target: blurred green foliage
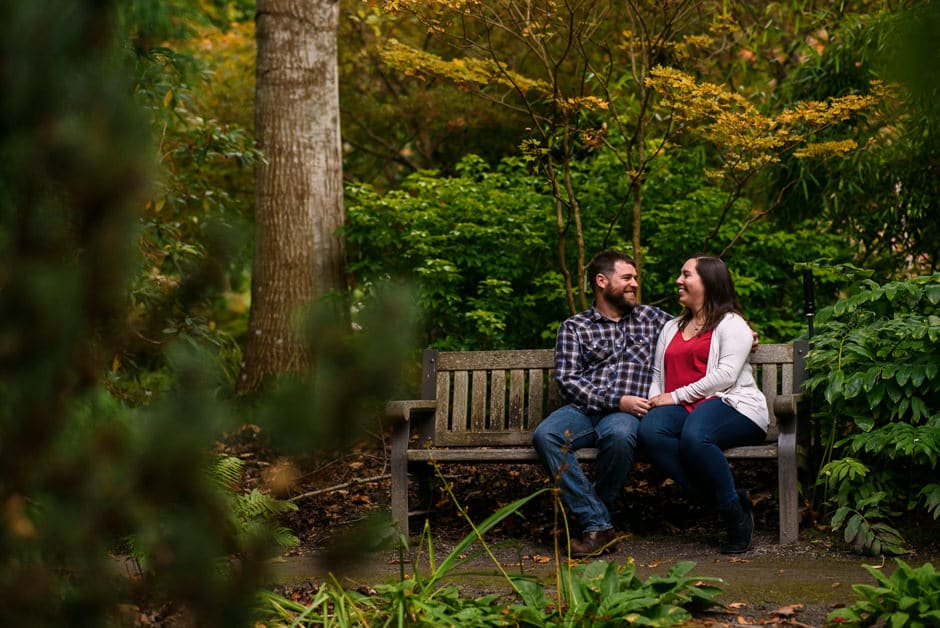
<point>193,242</point>
<point>79,470</point>
<point>117,235</point>
<point>883,199</point>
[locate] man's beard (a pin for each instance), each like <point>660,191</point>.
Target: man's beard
<point>618,300</point>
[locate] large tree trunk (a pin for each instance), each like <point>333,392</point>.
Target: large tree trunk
<point>299,255</point>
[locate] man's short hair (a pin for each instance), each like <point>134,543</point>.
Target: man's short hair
<point>603,264</point>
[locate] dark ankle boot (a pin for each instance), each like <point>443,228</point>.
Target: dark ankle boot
<point>740,521</point>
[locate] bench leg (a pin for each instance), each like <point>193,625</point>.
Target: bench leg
<point>788,489</point>
<point>400,435</point>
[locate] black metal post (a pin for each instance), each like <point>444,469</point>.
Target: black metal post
<point>809,302</point>
<point>814,440</point>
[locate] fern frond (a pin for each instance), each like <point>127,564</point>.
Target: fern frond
<point>260,505</point>
<point>225,472</point>
<point>931,494</point>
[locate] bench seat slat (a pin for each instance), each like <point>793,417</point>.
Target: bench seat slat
<point>514,438</point>
<point>527,454</point>
<point>485,454</point>
<point>752,451</point>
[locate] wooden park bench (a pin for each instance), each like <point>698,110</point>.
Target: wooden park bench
<point>482,406</point>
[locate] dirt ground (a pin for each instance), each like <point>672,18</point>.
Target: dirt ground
<point>342,522</point>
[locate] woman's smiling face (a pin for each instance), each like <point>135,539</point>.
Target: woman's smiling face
<point>691,288</point>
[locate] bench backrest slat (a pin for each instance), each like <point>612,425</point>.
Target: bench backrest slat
<point>536,395</point>
<point>442,416</point>
<point>516,399</point>
<point>478,409</point>
<point>496,398</point>
<point>498,401</point>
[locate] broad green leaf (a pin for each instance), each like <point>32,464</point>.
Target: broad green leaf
<point>899,620</point>
<point>853,386</point>
<point>834,389</point>
<point>871,378</point>
<point>876,395</point>
<point>837,519</point>
<point>933,293</point>
<point>852,527</point>
<point>903,375</point>
<point>931,370</point>
<point>902,408</point>
<point>907,602</point>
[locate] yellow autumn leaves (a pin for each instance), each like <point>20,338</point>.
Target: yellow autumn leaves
<point>746,138</point>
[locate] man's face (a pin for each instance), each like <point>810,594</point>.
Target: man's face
<point>619,289</point>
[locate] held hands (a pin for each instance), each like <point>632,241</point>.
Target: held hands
<point>663,399</point>
<point>637,406</point>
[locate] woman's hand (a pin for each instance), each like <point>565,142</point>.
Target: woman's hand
<point>664,399</point>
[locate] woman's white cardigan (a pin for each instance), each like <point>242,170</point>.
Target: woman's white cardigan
<point>728,374</point>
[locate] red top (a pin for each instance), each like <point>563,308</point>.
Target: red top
<point>686,361</point>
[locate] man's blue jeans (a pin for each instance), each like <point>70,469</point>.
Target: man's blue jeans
<point>689,446</point>
<point>561,434</point>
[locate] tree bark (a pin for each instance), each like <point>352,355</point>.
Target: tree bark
<point>299,253</point>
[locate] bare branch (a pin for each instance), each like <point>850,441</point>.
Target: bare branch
<point>339,487</point>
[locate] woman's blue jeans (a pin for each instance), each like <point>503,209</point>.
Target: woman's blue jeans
<point>561,434</point>
<point>690,446</point>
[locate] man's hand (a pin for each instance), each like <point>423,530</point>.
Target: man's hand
<point>754,339</point>
<point>637,406</point>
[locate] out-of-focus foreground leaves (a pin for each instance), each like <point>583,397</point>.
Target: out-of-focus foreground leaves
<point>86,475</point>
<point>78,471</point>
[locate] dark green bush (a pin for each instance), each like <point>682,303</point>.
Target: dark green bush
<point>876,364</point>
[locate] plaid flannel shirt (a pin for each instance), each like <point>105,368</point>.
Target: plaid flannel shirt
<point>598,360</point>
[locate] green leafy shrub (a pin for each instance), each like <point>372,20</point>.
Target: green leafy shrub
<point>477,246</point>
<point>876,363</point>
<point>482,248</point>
<point>908,597</point>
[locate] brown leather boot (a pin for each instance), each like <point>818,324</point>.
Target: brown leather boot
<point>596,542</point>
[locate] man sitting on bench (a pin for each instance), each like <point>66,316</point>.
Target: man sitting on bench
<point>603,365</point>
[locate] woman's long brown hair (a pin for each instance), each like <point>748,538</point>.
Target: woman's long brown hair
<point>720,297</point>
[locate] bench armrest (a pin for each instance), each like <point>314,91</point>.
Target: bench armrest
<point>401,411</point>
<point>786,406</point>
